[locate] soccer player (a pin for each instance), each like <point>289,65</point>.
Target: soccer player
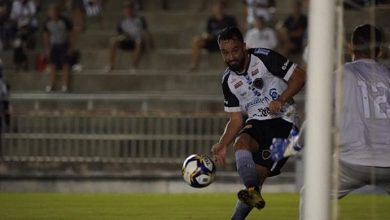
<point>259,84</point>
<point>365,118</point>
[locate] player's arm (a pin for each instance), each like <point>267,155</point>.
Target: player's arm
<point>283,68</point>
<point>294,84</point>
<point>232,128</point>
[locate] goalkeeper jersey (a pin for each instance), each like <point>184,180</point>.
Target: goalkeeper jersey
<point>365,117</point>
<point>264,79</point>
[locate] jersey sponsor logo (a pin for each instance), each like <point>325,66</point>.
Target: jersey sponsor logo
<point>256,101</point>
<point>284,67</point>
<point>273,93</point>
<point>262,51</point>
<point>254,72</point>
<point>263,112</point>
<point>238,84</point>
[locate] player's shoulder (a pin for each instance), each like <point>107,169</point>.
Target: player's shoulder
<point>263,53</point>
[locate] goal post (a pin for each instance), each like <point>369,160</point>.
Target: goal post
<point>317,177</point>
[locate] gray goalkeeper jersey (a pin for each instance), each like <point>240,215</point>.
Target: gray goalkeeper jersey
<point>365,124</point>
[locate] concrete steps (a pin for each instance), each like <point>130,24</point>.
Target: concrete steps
<point>125,82</point>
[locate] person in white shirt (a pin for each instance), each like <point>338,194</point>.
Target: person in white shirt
<point>261,36</point>
<point>258,7</point>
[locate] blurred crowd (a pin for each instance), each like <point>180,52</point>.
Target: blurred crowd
<point>23,23</point>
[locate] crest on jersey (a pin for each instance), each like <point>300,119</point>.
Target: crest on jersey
<point>238,84</point>
<point>273,93</point>
<point>258,83</point>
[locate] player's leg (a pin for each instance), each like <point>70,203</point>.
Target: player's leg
<point>244,146</point>
<point>241,211</point>
<point>248,171</point>
<point>351,177</point>
<point>382,178</point>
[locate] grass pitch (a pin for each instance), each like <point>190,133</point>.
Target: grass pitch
<point>51,206</point>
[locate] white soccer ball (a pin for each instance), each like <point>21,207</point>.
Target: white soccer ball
<point>198,170</point>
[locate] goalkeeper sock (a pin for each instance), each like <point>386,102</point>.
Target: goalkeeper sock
<point>246,168</point>
<point>241,211</point>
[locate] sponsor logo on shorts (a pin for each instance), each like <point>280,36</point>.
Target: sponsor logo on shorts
<point>266,154</point>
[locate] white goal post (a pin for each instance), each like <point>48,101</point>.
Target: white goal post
<point>317,180</point>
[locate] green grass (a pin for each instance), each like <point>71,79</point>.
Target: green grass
<point>171,206</point>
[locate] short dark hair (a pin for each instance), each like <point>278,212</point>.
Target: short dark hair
<point>230,33</point>
<point>366,38</point>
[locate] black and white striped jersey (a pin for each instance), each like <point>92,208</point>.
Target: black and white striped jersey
<point>263,81</point>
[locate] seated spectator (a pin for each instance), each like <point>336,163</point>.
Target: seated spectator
<point>58,38</point>
<point>6,33</point>
<point>93,7</point>
<point>23,14</point>
<point>131,36</point>
<point>293,31</point>
<point>209,40</point>
<point>256,8</point>
<point>77,14</point>
<point>261,35</point>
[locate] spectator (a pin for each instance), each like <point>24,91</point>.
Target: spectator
<point>24,26</point>
<point>131,35</point>
<point>77,14</point>
<point>293,30</point>
<point>217,22</point>
<point>23,13</point>
<point>261,36</point>
<point>5,24</point>
<point>256,8</point>
<point>58,38</point>
<point>92,7</point>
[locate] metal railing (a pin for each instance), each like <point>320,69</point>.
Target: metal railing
<point>149,139</point>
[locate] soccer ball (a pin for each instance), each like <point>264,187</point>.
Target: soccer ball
<point>198,170</point>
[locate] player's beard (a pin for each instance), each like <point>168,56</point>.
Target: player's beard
<point>236,65</point>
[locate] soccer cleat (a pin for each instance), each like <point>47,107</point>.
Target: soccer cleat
<point>282,148</point>
<point>251,197</point>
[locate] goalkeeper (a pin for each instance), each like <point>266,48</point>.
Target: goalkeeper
<point>365,125</point>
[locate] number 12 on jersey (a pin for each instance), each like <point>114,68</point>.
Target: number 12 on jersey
<point>377,98</point>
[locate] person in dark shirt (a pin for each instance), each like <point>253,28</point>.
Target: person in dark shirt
<point>293,30</point>
<point>58,38</point>
<point>132,32</point>
<point>217,22</point>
